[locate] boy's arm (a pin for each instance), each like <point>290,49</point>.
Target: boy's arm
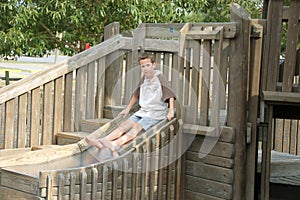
<point>171,108</point>
<point>129,106</point>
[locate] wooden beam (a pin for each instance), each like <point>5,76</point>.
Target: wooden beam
<point>273,97</point>
<point>237,100</point>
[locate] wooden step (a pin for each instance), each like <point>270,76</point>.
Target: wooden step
<point>90,125</point>
<point>63,138</point>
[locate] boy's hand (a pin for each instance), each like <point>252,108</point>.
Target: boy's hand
<point>170,115</point>
<point>124,112</point>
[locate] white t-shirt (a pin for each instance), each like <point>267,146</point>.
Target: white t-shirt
<point>153,95</point>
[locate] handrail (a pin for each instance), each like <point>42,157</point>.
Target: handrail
<point>60,69</point>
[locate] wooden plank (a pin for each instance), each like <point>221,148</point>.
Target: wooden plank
<point>291,43</point>
<point>60,186</point>
<point>180,165</point>
<point>205,171</point>
<point>210,159</point>
<point>19,182</point>
<point>273,43</point>
<point>5,153</point>
<point>193,111</point>
<point>293,137</point>
<point>298,138</point>
<point>205,84</point>
<point>90,93</point>
<point>173,29</point>
<point>224,70</point>
<point>113,78</point>
<point>22,121</point>
<point>237,94</point>
<point>134,177</point>
<point>68,102</point>
<point>273,97</point>
<point>80,98</point>
<point>111,30</point>
<point>171,164</point>
<point>49,188</point>
<point>166,64</point>
<point>286,13</point>
<point>72,185</point>
<point>163,30</point>
<point>221,149</point>
<point>186,83</point>
<point>178,76</point>
<point>9,138</point>
<point>129,87</point>
<point>125,178</point>
<point>139,35</point>
<point>253,102</point>
<point>100,96</point>
<point>34,157</point>
<point>47,133</point>
<point>209,187</point>
<point>58,107</point>
<point>266,158</point>
<point>161,174</point>
<point>227,134</point>
<point>191,195</point>
<point>209,33</point>
<point>286,135</point>
<point>10,193</point>
<point>94,183</point>
<point>143,177</point>
<point>155,175</point>
<point>153,45</point>
<point>115,174</point>
<point>83,184</point>
<point>278,146</point>
<point>35,117</point>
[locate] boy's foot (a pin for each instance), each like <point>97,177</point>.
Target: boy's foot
<point>94,142</point>
<point>107,143</point>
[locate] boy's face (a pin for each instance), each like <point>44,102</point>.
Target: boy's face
<point>147,67</point>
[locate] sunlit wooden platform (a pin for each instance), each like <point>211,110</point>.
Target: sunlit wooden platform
<point>285,168</point>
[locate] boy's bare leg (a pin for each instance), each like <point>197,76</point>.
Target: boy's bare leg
<point>94,142</point>
<point>130,135</point>
<point>124,127</point>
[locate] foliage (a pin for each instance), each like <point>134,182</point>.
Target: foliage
<point>36,27</point>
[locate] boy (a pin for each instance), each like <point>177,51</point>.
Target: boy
<point>153,92</point>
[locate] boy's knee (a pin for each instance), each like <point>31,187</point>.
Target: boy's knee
<point>134,131</point>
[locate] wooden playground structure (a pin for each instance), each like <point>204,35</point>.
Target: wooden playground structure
<point>231,91</point>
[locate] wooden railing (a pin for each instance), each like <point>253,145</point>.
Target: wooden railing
<point>282,76</point>
<point>148,170</point>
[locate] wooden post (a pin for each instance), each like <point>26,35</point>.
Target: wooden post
<point>254,86</point>
<point>112,67</point>
<point>237,100</point>
<point>270,77</point>
<point>6,77</point>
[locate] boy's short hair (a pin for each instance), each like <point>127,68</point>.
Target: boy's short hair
<point>146,55</point>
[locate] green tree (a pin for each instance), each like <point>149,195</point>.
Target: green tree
<point>35,27</point>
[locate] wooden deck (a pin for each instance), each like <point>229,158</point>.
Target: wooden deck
<point>285,168</point>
